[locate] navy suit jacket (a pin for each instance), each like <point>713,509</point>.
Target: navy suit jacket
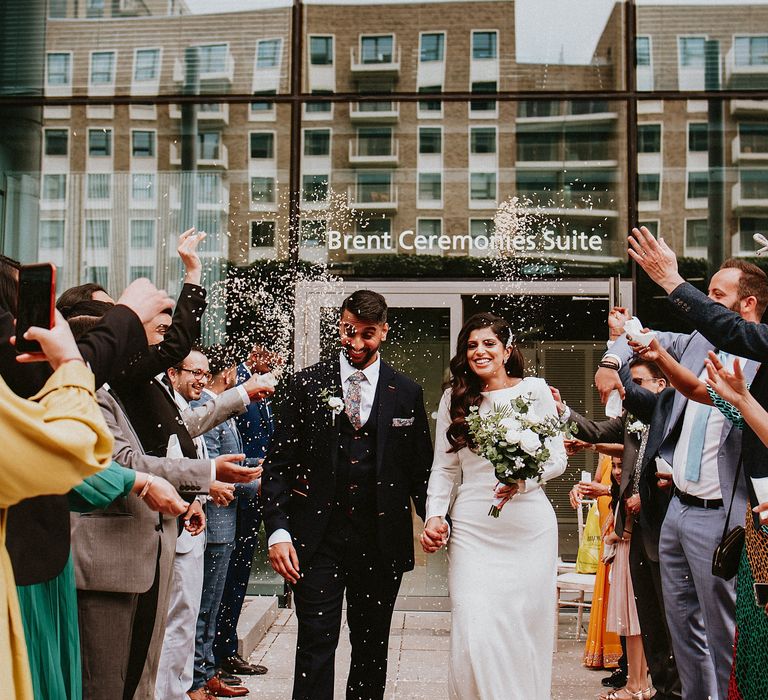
<point>257,424</point>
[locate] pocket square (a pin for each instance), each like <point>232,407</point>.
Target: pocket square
<point>402,422</point>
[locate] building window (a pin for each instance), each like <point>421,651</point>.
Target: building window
<point>483,105</point>
<point>268,53</point>
<point>94,9</point>
<point>649,138</point>
<point>262,234</point>
<point>691,51</point>
<point>320,52</point>
<point>698,185</point>
<point>317,142</point>
<point>754,184</point>
<point>751,50</point>
<point>102,67</point>
<point>643,47</point>
<point>143,187</point>
<point>99,142</point>
<point>696,233</point>
<point>377,49</point>
<point>51,233</point>
<point>209,142</point>
<point>533,183</point>
<point>142,233</point>
<point>748,227</point>
<point>430,105</point>
<point>374,141</point>
<point>482,140</point>
<point>314,188</point>
<point>320,106</point>
<point>312,233</point>
<point>588,144</point>
<point>96,233</point>
<point>213,58</point>
<point>99,185</point>
<point>54,187</point>
<point>483,45</point>
<point>482,186</point>
<point>262,144</point>
<point>57,9</point>
<point>375,229</point>
<point>146,65</point>
<point>753,137</point>
<point>374,187</point>
<point>481,228</point>
<point>56,142</point>
<point>98,274</point>
<point>538,108</point>
<point>263,190</point>
<point>539,146</point>
<point>143,144</point>
<point>432,47</point>
<point>59,69</point>
<point>698,137</point>
<point>139,271</point>
<point>209,188</point>
<point>430,187</point>
<point>263,106</point>
<point>429,227</point>
<point>652,226</point>
<point>648,187</point>
<point>430,140</point>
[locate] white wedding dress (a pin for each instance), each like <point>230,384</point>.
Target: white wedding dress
<point>501,571</point>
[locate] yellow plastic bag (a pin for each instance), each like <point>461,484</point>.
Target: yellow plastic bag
<point>588,556</point>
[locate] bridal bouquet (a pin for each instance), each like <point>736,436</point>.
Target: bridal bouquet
<point>515,440</point>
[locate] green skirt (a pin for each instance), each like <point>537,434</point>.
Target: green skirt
<point>49,614</point>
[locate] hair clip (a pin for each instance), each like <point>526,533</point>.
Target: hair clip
<point>510,340</point>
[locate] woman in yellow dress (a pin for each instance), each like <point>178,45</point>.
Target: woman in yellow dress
<point>49,444</point>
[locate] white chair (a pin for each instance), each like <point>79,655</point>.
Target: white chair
<point>568,581</point>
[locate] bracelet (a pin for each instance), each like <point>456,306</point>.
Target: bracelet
<point>145,490</point>
<point>607,364</point>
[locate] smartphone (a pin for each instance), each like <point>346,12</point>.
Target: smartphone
<point>36,304</point>
<point>761,594</point>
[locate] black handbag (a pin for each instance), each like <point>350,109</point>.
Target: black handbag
<point>727,555</point>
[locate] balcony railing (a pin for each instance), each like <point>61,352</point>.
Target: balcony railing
<point>372,199</point>
<point>364,153</point>
<point>742,152</point>
<point>384,65</point>
<point>224,73</point>
<point>752,75</point>
<point>749,199</point>
<point>383,111</point>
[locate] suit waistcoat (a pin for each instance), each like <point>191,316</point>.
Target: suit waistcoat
<point>356,468</point>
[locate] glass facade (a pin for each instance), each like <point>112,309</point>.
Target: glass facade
<point>459,154</point>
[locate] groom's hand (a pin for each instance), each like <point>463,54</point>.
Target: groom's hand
<point>435,535</point>
<point>284,560</point>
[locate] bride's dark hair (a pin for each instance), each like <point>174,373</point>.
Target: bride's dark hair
<point>464,384</point>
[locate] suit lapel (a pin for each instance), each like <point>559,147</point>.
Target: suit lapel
<point>386,391</point>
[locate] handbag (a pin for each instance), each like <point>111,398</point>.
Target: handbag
<point>727,554</point>
<point>588,555</point>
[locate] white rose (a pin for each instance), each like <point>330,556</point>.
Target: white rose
<point>529,441</point>
<point>513,436</point>
<point>335,403</point>
<point>511,423</point>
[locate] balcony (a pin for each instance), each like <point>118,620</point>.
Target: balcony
<point>381,112</point>
<point>746,108</point>
<point>747,153</point>
<point>366,153</point>
<point>385,65</point>
<point>749,200</point>
<point>224,73</point>
<point>205,113</point>
<point>368,198</point>
<point>220,161</point>
<point>750,76</point>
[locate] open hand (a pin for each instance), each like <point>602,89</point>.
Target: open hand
<point>221,494</point>
<point>732,386</point>
<point>187,250</point>
<point>285,561</point>
<point>230,470</point>
<point>655,257</point>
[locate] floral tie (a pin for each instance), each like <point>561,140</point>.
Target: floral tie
<point>352,399</point>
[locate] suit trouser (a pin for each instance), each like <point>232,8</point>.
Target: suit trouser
<point>238,574</point>
<point>346,560</point>
<point>700,607</point>
<point>174,678</point>
<point>646,582</point>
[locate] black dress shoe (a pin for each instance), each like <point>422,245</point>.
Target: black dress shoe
<point>237,664</point>
<point>618,679</point>
<point>228,678</point>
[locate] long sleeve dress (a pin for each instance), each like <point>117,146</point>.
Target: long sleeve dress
<point>501,571</point>
<point>50,444</point>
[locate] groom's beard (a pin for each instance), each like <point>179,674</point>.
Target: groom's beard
<point>366,357</point>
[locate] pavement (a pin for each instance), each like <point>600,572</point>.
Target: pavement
<point>418,658</point>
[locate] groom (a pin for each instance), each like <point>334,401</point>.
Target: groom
<point>337,492</point>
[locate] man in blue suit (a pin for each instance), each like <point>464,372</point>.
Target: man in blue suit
<point>256,426</point>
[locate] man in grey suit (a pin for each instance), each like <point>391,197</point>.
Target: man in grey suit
<point>703,449</point>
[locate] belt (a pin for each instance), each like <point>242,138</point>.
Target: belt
<point>688,500</point>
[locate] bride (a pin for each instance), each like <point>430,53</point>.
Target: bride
<point>502,571</point>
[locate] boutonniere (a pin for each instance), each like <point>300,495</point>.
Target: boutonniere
<point>333,403</point>
<point>635,425</point>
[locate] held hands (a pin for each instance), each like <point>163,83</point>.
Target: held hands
<point>194,519</point>
<point>285,561</point>
<point>187,249</point>
<point>435,534</point>
<point>655,257</point>
<point>730,385</point>
<point>58,344</point>
<point>145,300</point>
<point>221,494</point>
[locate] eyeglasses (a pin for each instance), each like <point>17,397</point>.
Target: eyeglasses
<point>197,373</point>
<point>642,380</point>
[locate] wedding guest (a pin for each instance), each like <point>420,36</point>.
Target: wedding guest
<point>62,431</point>
<point>703,450</point>
<point>494,560</point>
<point>90,291</point>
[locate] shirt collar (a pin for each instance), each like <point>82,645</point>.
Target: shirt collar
<point>371,372</point>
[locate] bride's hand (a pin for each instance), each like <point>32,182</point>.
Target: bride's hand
<point>506,490</point>
<point>435,534</point>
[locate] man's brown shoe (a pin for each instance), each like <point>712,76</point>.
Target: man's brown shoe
<point>217,687</point>
<point>238,665</point>
<point>199,694</point>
